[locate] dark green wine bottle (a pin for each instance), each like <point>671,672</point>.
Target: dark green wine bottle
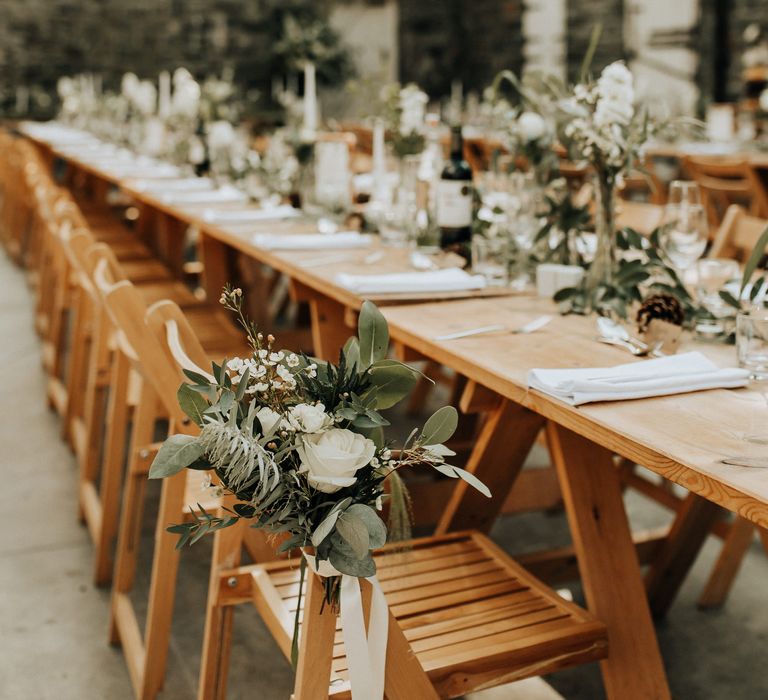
<point>454,202</point>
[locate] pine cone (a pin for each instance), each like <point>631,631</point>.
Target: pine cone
<point>664,307</point>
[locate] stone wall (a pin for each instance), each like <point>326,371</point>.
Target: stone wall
<point>439,40</point>
<point>581,17</point>
<point>468,40</point>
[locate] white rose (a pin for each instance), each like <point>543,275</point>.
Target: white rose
<point>764,100</point>
<point>532,126</point>
<point>308,418</point>
<point>267,418</point>
<point>331,459</point>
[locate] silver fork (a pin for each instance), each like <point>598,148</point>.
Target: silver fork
<point>529,327</point>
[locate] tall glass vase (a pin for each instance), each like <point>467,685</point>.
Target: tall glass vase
<point>602,271</point>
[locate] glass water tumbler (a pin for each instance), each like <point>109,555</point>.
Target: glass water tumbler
<point>490,258</point>
<point>752,342</point>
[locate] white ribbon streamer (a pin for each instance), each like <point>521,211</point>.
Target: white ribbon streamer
<point>366,653</point>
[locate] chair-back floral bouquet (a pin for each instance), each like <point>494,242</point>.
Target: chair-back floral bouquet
<point>300,444</point>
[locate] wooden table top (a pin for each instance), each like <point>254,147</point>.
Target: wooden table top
<point>681,437</point>
<point>303,266</point>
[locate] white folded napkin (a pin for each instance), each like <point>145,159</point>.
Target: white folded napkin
<point>448,280</point>
<point>312,241</point>
<point>219,196</point>
<point>182,184</point>
<point>225,216</point>
<point>676,374</point>
<point>161,170</point>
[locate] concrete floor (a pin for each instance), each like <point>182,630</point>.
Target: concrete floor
<point>53,622</point>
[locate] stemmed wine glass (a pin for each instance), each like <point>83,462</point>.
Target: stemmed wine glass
<point>684,229</point>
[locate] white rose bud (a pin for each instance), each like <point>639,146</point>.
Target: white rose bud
<point>331,459</point>
<point>267,418</point>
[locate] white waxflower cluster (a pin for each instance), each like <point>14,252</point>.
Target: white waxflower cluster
<point>413,105</point>
<point>268,370</point>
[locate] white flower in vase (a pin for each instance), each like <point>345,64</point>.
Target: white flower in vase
<point>128,85</point>
<point>532,126</point>
<point>615,96</point>
<point>331,459</point>
<point>413,105</point>
<point>144,97</point>
<point>221,135</point>
<point>185,100</point>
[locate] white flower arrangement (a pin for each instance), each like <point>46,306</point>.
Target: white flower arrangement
<point>403,110</point>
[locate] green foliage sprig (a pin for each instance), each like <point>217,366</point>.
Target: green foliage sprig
<point>641,269</point>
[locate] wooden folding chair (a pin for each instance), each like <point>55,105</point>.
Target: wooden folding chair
<point>161,375</point>
<point>473,617</point>
<point>463,616</point>
<point>737,235</point>
<point>722,181</point>
<point>641,216</point>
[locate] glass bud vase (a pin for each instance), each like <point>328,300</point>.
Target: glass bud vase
<point>603,268</point>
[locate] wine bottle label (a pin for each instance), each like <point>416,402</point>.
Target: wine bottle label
<point>454,203</point>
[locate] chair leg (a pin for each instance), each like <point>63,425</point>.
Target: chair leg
<point>162,587</point>
<point>112,467</point>
<point>405,678</point>
<point>740,537</point>
<point>763,538</point>
<point>76,372</point>
<point>217,640</point>
<point>691,527</point>
<point>129,532</point>
<point>313,673</point>
<point>93,406</point>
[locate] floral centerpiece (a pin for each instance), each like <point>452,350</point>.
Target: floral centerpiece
<point>300,444</point>
<point>599,124</point>
<point>403,110</point>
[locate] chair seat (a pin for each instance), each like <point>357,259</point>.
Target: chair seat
<point>174,290</point>
<point>129,248</point>
<point>472,615</point>
<point>216,333</point>
<point>138,271</point>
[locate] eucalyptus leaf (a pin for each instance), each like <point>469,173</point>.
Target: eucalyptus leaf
<point>391,382</point>
<point>176,453</point>
<point>440,426</point>
<point>373,333</point>
<point>471,479</point>
<point>354,532</point>
<point>192,403</point>
<point>754,259</point>
<point>377,531</point>
<point>343,558</point>
<point>352,353</point>
<point>326,527</point>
